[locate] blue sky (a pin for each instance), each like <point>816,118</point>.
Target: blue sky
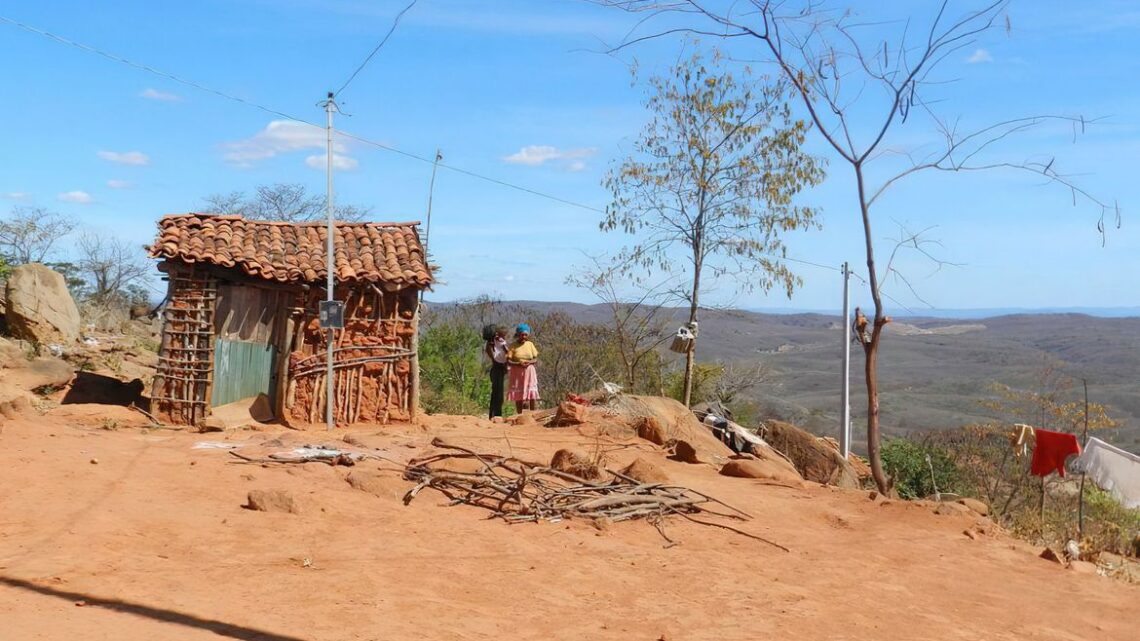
<point>517,90</point>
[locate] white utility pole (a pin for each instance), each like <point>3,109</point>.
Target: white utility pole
<point>330,262</point>
<point>845,420</point>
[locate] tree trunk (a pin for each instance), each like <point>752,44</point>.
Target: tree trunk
<point>871,347</point>
<point>691,354</point>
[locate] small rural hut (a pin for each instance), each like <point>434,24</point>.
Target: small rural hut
<point>242,318</point>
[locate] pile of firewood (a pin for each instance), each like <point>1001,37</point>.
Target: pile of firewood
<point>519,491</point>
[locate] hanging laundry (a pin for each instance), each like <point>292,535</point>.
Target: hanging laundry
<point>1113,469</point>
<point>1021,440</point>
<point>1050,452</point>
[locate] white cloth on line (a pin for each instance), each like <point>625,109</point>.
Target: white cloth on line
<point>1113,469</point>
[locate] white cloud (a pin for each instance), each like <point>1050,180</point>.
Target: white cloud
<point>340,162</point>
<point>155,94</point>
<point>78,197</point>
<point>137,158</point>
<point>283,137</point>
<point>536,155</point>
<point>980,55</point>
<point>17,195</point>
<point>120,184</point>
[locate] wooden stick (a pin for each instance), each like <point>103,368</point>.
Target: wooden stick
<point>730,528</point>
<point>153,420</point>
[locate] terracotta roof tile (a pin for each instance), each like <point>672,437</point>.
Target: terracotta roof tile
<point>388,253</point>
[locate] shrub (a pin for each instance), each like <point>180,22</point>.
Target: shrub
<point>910,466</point>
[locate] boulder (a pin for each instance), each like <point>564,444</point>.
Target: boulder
<point>761,469</point>
<point>576,462</point>
<point>683,451</point>
<point>570,413</point>
<point>673,419</point>
<point>975,505</point>
<point>271,501</point>
<point>812,457</point>
<point>645,471</point>
<point>39,308</point>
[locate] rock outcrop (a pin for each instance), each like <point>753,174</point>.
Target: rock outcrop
<point>39,308</point>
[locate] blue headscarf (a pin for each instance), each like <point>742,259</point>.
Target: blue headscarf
<point>522,328</point>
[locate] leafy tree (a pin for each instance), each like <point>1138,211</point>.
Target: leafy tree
<point>281,201</point>
<point>452,370</point>
<point>29,234</point>
<point>711,184</point>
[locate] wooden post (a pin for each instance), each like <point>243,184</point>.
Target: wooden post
<point>1084,444</point>
<point>414,403</point>
<point>284,350</point>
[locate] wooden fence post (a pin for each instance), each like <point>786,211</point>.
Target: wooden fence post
<point>414,403</point>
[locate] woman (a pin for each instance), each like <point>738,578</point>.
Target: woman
<point>496,350</point>
<point>522,357</point>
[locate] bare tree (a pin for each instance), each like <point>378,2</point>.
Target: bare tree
<point>856,88</point>
<point>740,377</point>
<point>112,268</point>
<point>640,324</point>
<point>281,201</point>
<point>713,177</point>
<point>29,234</point>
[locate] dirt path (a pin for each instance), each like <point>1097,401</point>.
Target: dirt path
<point>151,542</point>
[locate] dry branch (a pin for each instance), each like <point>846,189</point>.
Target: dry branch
<point>520,491</point>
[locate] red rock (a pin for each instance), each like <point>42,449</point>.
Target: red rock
<point>645,471</point>
<point>768,469</point>
<point>650,429</point>
<point>570,413</point>
<point>271,501</point>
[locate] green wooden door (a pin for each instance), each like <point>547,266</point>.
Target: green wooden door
<point>242,369</point>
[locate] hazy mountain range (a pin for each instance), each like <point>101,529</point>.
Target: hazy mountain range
<point>934,371</point>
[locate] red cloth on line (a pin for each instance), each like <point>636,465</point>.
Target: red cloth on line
<point>1051,451</point>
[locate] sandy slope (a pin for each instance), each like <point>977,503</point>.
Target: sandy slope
<point>153,540</point>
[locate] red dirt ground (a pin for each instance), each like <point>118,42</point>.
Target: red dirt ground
<point>151,542</point>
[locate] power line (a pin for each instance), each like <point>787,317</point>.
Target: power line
<point>395,23</point>
<point>884,294</point>
<point>466,172</point>
<point>142,67</point>
<point>287,116</point>
<point>378,145</point>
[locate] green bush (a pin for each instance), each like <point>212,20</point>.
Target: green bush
<point>905,461</point>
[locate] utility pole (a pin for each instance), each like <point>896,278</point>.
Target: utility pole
<point>330,264</point>
<point>845,413</point>
<point>431,192</point>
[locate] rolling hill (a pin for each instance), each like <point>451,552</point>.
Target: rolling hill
<point>934,371</point>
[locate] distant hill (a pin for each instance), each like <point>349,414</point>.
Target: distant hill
<point>934,371</point>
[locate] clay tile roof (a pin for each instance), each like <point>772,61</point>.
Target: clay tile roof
<point>387,253</point>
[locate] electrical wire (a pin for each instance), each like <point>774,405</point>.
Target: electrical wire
<point>287,116</point>
<point>143,67</point>
<point>361,139</point>
<point>395,23</point>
